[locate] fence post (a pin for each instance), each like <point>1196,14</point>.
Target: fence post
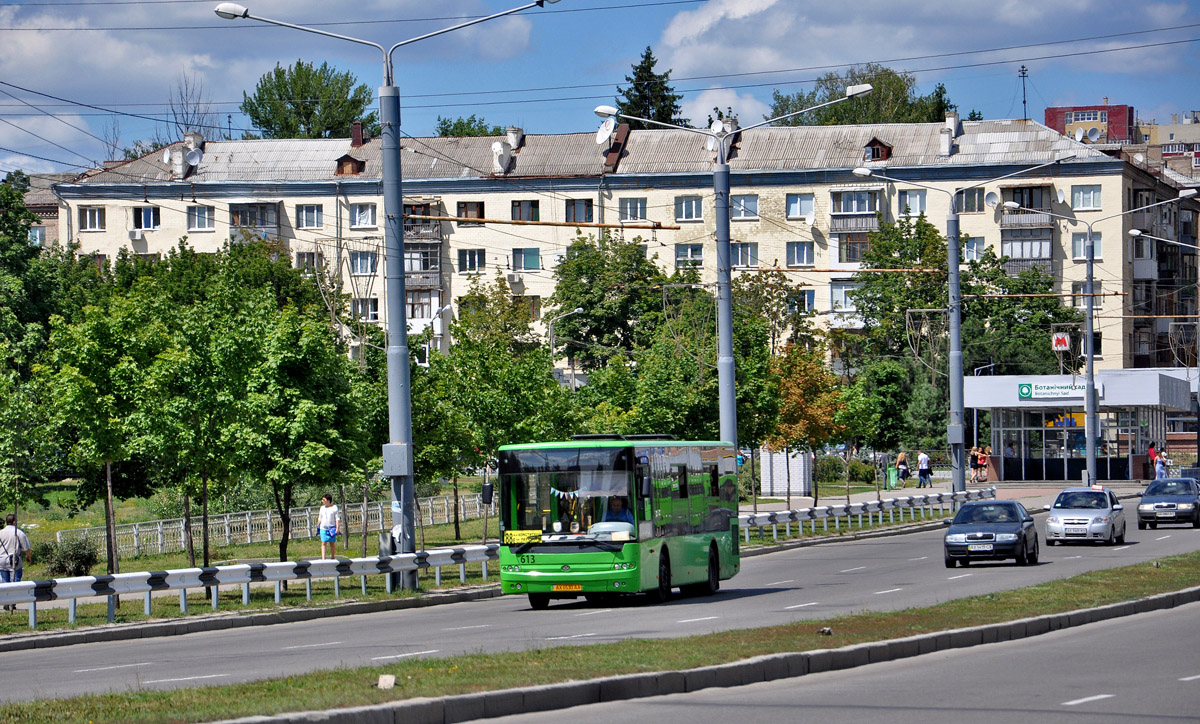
<point>146,608</point>
<point>775,532</point>
<point>71,611</point>
<point>183,600</point>
<point>112,609</point>
<point>485,570</point>
<point>437,576</point>
<point>33,614</point>
<point>278,588</point>
<point>228,530</point>
<point>837,523</point>
<point>337,586</point>
<point>246,593</point>
<point>308,521</point>
<point>462,572</point>
<point>160,536</point>
<point>137,540</point>
<point>364,578</point>
<point>270,526</point>
<point>216,590</point>
<point>249,528</point>
<point>747,529</point>
<point>308,588</point>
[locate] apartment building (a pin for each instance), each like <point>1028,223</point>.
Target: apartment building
<point>796,206</point>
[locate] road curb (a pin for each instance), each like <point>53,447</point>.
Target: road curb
<point>771,667</point>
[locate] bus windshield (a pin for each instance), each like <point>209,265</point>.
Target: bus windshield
<point>566,490</point>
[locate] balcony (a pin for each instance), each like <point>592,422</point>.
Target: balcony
<point>422,229</point>
<point>428,279</point>
<point>1013,267</point>
<point>849,223</point>
<point>1145,269</point>
<point>1035,219</point>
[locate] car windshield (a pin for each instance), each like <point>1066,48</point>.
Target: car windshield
<point>1170,487</point>
<point>1082,499</point>
<point>987,514</point>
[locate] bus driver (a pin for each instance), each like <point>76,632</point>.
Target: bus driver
<point>617,512</point>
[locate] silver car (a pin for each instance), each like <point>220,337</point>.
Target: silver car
<point>1087,514</point>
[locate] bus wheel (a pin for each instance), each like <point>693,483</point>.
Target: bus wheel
<point>663,591</point>
<point>539,601</point>
<point>711,583</point>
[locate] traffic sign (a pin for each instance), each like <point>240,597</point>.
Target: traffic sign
<point>1060,342</point>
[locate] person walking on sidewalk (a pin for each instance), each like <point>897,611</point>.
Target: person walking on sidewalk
<point>327,525</point>
<point>902,468</point>
<point>924,470</point>
<point>14,552</point>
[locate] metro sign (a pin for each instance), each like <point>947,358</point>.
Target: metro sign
<point>1060,342</point>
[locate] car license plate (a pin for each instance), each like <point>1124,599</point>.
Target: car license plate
<point>1165,514</point>
<point>568,587</point>
<point>979,547</point>
<point>1076,531</point>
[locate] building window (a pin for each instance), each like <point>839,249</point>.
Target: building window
<point>800,253</point>
<point>37,235</point>
<point>1143,248</point>
<point>579,211</point>
<point>365,309</point>
<point>91,218</point>
<point>743,206</point>
<point>470,210</point>
<point>973,248</point>
<point>422,257</point>
<point>201,218</point>
<point>800,206</point>
<point>532,304</point>
<point>1078,289</point>
<point>689,255</point>
<point>1079,246</point>
<point>840,300</point>
<point>309,260</point>
<point>470,260</point>
<point>970,201</point>
<point>363,262</point>
<point>1025,243</point>
<point>912,203</point>
<point>1031,197</point>
<point>254,216</point>
<point>632,209</point>
<point>804,300</point>
<point>362,216</point>
<point>854,202</point>
<point>308,216</point>
<point>1085,198</point>
<point>688,208</point>
<point>529,259</point>
<point>851,248</point>
<point>418,303</point>
<point>525,211</point>
<point>743,254</point>
<point>146,217</point>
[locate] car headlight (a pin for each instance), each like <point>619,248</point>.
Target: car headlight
<point>1052,519</point>
<point>956,538</point>
<point>1100,519</point>
<point>1146,506</point>
<point>1186,506</point>
<point>1006,537</point>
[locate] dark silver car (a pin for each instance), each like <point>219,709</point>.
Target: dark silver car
<point>1087,514</point>
<point>1170,500</point>
<point>986,530</point>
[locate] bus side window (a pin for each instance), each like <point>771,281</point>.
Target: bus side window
<point>683,480</point>
<point>714,482</point>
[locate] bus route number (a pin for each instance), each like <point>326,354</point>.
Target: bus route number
<point>525,559</point>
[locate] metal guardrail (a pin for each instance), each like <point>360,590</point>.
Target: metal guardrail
<point>266,526</point>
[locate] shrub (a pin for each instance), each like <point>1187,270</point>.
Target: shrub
<point>830,470</point>
<point>71,557</point>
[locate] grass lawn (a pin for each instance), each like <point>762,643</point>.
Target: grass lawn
<point>483,672</point>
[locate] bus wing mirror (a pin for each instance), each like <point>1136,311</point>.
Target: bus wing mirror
<point>646,485</point>
<point>486,494</point>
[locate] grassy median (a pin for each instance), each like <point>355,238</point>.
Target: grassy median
<point>483,672</point>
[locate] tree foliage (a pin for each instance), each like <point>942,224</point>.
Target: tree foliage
<point>649,94</point>
<point>469,126</point>
<point>306,101</point>
<point>893,100</point>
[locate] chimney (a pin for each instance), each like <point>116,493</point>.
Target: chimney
<point>1106,100</point>
<point>194,140</point>
<point>947,142</point>
<point>516,137</point>
<point>501,157</point>
<point>178,166</point>
<point>356,134</point>
<point>952,123</point>
<point>1175,119</point>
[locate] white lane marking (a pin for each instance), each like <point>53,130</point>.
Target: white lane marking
<point>312,646</point>
<point>856,568</point>
<point>404,656</point>
<point>918,559</point>
<point>800,605</point>
<point>1071,557</point>
<point>467,628</point>
<point>694,620</point>
<point>780,583</point>
<point>1190,678</point>
<point>1122,548</point>
<point>1162,537</point>
<point>185,678</point>
<point>890,590</point>
<point>106,668</point>
<point>593,613</point>
<point>955,578</point>
<point>576,636</point>
<point>1086,699</point>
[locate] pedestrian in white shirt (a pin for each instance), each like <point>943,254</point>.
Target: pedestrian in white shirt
<point>327,526</point>
<point>924,470</point>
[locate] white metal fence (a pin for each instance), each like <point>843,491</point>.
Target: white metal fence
<point>266,526</point>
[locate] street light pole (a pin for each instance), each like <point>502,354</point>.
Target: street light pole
<point>726,383</point>
<point>1091,421</point>
<point>397,454</point>
<point>955,437</point>
<point>576,310</point>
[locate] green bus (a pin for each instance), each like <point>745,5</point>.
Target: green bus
<point>608,514</point>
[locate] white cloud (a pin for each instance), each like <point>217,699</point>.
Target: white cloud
<point>748,109</point>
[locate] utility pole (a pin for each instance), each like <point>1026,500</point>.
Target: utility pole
<point>1024,73</point>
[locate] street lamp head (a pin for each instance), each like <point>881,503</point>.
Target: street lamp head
<point>1135,232</point>
<point>855,91</point>
<point>1065,158</point>
<point>862,171</point>
<point>577,310</point>
<point>231,11</point>
<point>542,3</point>
<point>1011,205</point>
<point>1187,193</point>
<point>605,111</point>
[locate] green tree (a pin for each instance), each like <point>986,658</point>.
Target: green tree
<point>770,296</point>
<point>18,179</point>
<point>469,126</point>
<point>22,307</point>
<point>649,94</point>
<point>809,402</point>
<point>305,101</point>
<point>893,100</point>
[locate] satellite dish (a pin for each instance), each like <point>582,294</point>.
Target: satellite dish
<point>497,148</point>
<point>604,132</point>
<point>194,156</point>
<point>712,143</point>
<point>1093,134</point>
<point>1140,158</point>
<point>992,199</point>
<point>1062,196</point>
<point>717,127</point>
<point>1078,134</point>
<point>166,155</point>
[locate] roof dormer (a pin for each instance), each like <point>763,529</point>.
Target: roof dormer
<point>350,166</point>
<point>876,150</point>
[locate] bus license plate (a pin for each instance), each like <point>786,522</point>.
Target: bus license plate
<point>979,547</point>
<point>568,587</point>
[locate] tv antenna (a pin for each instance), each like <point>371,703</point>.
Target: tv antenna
<point>1023,72</point>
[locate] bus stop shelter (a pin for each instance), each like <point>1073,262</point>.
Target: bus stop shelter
<point>1037,422</point>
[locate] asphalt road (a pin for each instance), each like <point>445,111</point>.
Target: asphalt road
<point>805,583</point>
<point>1074,675</point>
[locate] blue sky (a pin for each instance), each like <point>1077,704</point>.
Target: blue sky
<point>544,70</point>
